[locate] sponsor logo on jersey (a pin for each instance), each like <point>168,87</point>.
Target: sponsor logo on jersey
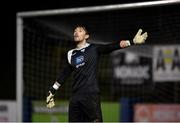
<point>80,61</point>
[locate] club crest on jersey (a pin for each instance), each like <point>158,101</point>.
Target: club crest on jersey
<point>80,61</point>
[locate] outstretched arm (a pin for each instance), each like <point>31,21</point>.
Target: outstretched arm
<point>138,39</point>
<point>102,49</point>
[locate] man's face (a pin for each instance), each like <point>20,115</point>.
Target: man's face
<point>80,34</point>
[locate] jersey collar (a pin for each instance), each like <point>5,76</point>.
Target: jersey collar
<point>86,45</point>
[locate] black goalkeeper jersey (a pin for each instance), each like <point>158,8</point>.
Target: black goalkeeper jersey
<point>83,63</point>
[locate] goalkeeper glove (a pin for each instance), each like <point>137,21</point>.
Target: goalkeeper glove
<point>50,100</point>
<point>140,38</point>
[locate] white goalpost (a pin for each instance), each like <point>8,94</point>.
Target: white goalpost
<point>24,15</point>
<point>97,8</point>
<point>19,67</point>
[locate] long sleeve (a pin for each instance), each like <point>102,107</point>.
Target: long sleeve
<point>108,48</point>
<point>65,73</point>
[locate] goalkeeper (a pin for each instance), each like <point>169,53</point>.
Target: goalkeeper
<point>84,103</point>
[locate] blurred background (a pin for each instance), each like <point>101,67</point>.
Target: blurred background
<point>139,83</point>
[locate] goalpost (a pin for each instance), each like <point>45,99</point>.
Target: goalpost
<point>25,15</point>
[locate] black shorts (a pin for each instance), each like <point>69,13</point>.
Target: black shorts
<point>85,108</point>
